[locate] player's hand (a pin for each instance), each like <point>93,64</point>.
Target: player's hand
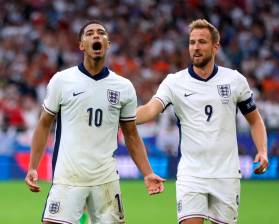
<point>31,180</point>
<point>154,184</point>
<point>262,159</point>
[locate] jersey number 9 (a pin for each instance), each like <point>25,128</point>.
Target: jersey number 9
<point>208,110</point>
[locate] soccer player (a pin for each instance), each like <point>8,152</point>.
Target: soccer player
<point>89,101</point>
<point>205,98</point>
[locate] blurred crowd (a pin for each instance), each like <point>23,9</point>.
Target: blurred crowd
<point>148,41</point>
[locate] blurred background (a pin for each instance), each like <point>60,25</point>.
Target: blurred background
<point>148,41</point>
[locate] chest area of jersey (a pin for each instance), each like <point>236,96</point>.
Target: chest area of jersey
<point>96,103</point>
<point>195,94</point>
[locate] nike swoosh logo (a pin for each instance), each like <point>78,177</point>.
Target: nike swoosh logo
<point>75,94</point>
<point>186,95</point>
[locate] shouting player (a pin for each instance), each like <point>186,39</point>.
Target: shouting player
<point>88,101</point>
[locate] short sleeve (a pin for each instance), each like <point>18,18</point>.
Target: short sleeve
<point>245,100</point>
<point>128,109</point>
<point>52,100</point>
<point>164,94</point>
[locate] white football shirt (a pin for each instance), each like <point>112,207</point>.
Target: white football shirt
<point>88,112</point>
<point>206,111</point>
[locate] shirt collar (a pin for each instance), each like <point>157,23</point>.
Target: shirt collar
<point>101,75</point>
<point>196,76</point>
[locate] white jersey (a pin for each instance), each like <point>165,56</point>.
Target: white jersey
<point>206,111</point>
<point>88,113</point>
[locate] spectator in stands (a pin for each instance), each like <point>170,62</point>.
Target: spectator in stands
<point>43,28</point>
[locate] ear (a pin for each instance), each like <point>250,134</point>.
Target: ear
<point>81,47</point>
<point>216,47</point>
<point>109,44</point>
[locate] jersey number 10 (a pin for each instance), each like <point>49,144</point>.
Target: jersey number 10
<point>95,116</point>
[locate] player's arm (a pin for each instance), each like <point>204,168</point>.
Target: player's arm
<point>39,141</point>
<point>154,183</point>
<point>258,133</point>
<point>149,111</point>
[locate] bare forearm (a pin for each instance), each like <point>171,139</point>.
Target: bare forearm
<point>38,145</point>
<point>39,139</point>
<point>138,154</point>
<point>258,133</point>
<point>148,111</point>
<point>143,115</point>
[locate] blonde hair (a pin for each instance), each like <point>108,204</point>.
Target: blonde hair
<point>203,23</point>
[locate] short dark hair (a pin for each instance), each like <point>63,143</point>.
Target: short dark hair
<point>95,21</point>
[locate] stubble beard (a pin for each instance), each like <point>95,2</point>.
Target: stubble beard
<point>203,62</point>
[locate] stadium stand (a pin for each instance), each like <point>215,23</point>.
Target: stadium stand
<point>148,41</point>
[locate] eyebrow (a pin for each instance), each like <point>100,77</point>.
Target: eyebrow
<point>198,39</point>
<point>99,29</point>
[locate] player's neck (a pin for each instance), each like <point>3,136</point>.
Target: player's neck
<point>204,72</point>
<point>94,67</point>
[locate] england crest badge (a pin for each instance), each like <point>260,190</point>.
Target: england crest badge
<point>113,96</point>
<point>54,207</point>
<point>224,90</point>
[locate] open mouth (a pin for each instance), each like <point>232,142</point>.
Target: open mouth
<point>97,46</point>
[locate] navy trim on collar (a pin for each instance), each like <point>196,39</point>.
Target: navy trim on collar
<point>196,76</point>
<point>101,75</point>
